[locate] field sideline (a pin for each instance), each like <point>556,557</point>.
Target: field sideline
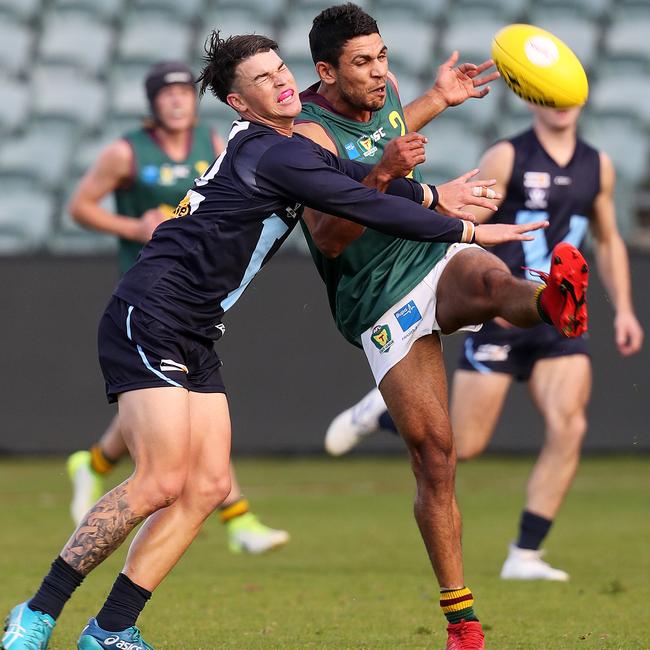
<point>355,575</point>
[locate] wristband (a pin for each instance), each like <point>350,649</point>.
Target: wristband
<point>427,195</point>
<point>469,233</point>
<point>436,197</point>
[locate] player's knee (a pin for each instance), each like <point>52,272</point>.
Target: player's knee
<point>496,282</point>
<point>568,430</point>
<point>211,491</point>
<point>163,489</point>
<point>433,457</point>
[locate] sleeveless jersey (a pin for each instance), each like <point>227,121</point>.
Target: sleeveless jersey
<point>539,189</point>
<point>375,270</point>
<point>158,181</point>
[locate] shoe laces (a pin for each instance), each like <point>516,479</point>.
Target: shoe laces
<point>540,274</point>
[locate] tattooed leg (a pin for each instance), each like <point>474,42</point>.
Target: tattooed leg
<point>103,529</point>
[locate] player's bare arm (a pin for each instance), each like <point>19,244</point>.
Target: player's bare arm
<point>332,234</point>
<point>454,84</point>
<point>111,171</point>
<point>613,264</point>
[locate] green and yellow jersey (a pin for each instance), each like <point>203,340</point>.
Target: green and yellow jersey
<point>375,270</point>
<point>157,181</point>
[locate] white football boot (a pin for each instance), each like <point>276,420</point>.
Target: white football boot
<point>527,564</point>
<point>348,429</point>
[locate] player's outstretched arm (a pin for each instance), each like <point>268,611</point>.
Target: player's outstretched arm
<point>111,170</point>
<point>491,234</point>
<point>304,172</point>
<point>454,84</point>
<point>613,263</point>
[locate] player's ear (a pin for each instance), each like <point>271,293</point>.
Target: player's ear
<point>326,72</point>
<point>236,101</point>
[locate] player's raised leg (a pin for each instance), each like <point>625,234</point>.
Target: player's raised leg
<point>560,388</point>
<point>415,391</point>
<point>203,422</point>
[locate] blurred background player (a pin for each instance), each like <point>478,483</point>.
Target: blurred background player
<point>545,172</point>
<point>149,171</point>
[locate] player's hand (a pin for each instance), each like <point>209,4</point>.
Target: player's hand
<point>491,234</point>
<point>457,84</point>
<point>401,155</point>
<point>455,195</point>
<point>147,223</point>
<point>628,333</point>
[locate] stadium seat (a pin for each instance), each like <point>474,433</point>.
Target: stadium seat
<point>25,219</point>
<point>86,154</point>
<point>16,42</point>
<point>23,10</point>
<point>105,10</point>
<point>426,9</point>
<point>453,149</point>
<point>83,101</point>
<point>304,73</point>
<point>233,21</point>
<point>410,44</point>
<point>68,237</point>
<point>584,8</point>
<point>629,37</point>
<point>580,33</point>
<point>127,97</point>
<point>74,39</point>
<point>473,40</point>
<point>480,114</point>
<point>268,10</point>
<point>410,87</point>
<point>294,40</point>
<point>505,10</point>
<point>613,93</point>
<point>509,126</point>
<point>42,155</point>
<point>186,10</point>
<point>148,38</point>
<point>15,105</point>
<point>624,139</point>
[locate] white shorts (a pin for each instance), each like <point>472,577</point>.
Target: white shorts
<point>389,340</point>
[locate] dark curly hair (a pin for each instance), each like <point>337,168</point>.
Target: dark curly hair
<point>222,56</point>
<point>334,27</point>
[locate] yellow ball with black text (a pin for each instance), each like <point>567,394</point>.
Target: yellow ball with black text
<point>539,67</point>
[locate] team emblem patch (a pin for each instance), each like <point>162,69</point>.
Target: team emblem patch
<point>382,338</point>
<point>408,315</point>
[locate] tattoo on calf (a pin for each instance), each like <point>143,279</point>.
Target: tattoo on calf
<point>104,528</point>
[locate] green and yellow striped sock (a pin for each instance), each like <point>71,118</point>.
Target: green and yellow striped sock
<point>457,605</point>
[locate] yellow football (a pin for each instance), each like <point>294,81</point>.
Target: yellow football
<point>539,67</point>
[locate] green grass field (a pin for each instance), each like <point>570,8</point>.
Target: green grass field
<point>355,574</point>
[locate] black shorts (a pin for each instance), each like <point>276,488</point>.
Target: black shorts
<point>515,351</point>
<point>138,351</point>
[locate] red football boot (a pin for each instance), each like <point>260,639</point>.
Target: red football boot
<point>466,635</point>
<point>564,298</point>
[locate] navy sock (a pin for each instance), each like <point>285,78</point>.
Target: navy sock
<point>532,530</point>
<point>123,605</point>
<point>386,422</point>
<point>56,588</point>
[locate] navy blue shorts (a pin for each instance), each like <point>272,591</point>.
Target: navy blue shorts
<point>138,351</point>
<point>515,351</point>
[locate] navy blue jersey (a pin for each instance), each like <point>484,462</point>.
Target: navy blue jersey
<point>541,189</point>
<point>240,211</point>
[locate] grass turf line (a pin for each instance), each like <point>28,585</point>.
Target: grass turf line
<point>355,575</point>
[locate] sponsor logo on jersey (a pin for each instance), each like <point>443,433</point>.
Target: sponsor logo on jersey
<point>221,327</point>
<point>367,142</point>
<point>408,315</point>
<point>352,150</point>
<point>183,208</point>
<point>562,180</point>
<point>537,179</point>
<point>292,212</point>
<point>537,199</point>
<point>382,338</point>
<point>490,352</point>
<point>166,174</point>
